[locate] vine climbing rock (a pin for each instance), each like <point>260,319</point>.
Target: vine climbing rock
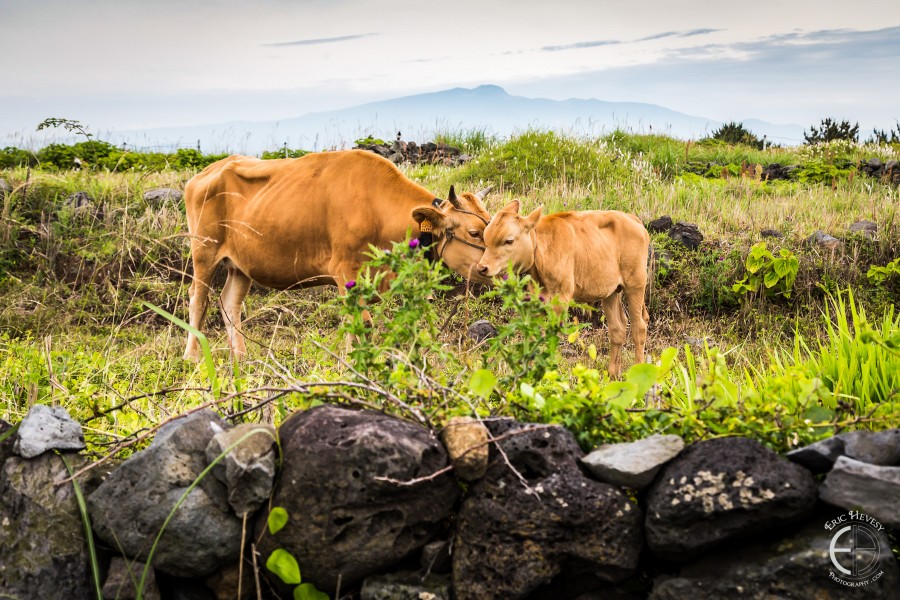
<point>346,484</point>
<point>721,489</point>
<point>129,509</point>
<point>535,516</point>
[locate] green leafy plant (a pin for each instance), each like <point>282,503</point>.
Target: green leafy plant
<point>764,271</point>
<point>829,130</point>
<point>880,275</point>
<point>527,341</point>
<point>736,133</point>
<point>283,564</point>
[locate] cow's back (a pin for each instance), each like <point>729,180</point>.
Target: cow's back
<point>289,220</point>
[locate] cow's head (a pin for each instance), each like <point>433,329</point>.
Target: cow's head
<point>508,240</point>
<point>457,225</point>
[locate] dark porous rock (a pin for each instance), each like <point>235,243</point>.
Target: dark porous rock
<point>519,529</point>
<point>822,239</point>
<point>6,445</point>
<point>79,200</point>
<point>892,172</point>
<point>795,565</point>
<point>224,582</point>
<point>662,261</point>
<point>406,586</point>
<point>873,447</point>
<point>686,234</point>
<point>775,171</point>
<point>47,428</point>
<point>161,196</point>
<point>482,330</point>
<point>866,229</point>
<point>771,233</point>
<point>436,557</point>
<point>349,514</point>
<point>721,489</point>
<point>633,464</point>
<point>660,225</point>
<point>129,508</point>
<point>43,551</point>
<point>874,490</point>
<point>248,468</point>
<point>124,578</point>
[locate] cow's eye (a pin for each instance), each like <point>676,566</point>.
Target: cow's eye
<point>475,233</point>
<point>509,242</point>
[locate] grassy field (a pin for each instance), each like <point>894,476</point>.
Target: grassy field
<point>76,273</point>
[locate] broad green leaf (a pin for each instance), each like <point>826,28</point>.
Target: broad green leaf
<point>818,414</point>
<point>278,518</point>
<point>592,352</point>
<point>482,383</point>
<point>667,359</point>
<point>643,375</point>
<point>527,390</point>
<point>619,393</point>
<point>282,563</point>
<point>307,591</point>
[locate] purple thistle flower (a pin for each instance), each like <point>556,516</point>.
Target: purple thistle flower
<point>505,276</point>
<point>414,243</point>
<point>350,284</point>
<point>541,298</point>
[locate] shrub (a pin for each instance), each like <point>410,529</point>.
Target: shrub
<point>735,133</point>
<point>830,130</point>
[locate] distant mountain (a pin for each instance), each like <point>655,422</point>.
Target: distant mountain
<point>419,117</point>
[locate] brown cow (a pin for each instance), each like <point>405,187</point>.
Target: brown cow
<point>584,256</point>
<point>304,222</point>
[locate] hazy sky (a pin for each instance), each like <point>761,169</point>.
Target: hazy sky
<point>116,64</point>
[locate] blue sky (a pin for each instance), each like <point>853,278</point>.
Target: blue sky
<point>128,64</point>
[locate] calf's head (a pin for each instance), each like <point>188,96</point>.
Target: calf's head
<point>508,240</point>
<point>458,226</point>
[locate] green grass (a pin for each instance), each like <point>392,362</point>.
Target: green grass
<point>75,329</point>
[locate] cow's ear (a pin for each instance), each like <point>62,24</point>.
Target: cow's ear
<point>531,220</point>
<point>432,215</point>
<point>512,207</point>
<point>451,195</point>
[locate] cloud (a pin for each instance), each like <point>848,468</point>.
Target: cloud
<point>578,45</point>
<point>677,34</point>
<point>316,41</point>
<point>658,36</point>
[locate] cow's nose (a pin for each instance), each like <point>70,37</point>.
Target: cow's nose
<point>482,270</point>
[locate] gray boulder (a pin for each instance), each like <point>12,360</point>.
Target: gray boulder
<point>864,228</point>
<point>518,530</point>
<point>160,196</point>
<point>43,551</point>
<point>5,188</point>
<point>796,565</point>
<point>350,515</point>
<point>123,580</point>
<point>482,330</point>
<point>721,489</point>
<point>633,464</point>
<point>856,485</point>
<point>47,428</point>
<point>873,447</point>
<point>128,510</point>
<point>248,469</point>
<point>823,240</point>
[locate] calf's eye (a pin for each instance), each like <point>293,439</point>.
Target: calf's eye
<point>509,242</point>
<point>475,233</point>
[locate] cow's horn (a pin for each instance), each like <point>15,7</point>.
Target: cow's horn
<point>480,195</point>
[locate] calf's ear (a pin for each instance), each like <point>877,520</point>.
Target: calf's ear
<point>431,215</point>
<point>512,207</point>
<point>531,220</point>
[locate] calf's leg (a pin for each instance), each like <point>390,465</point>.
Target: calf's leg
<point>204,267</point>
<point>617,325</point>
<point>639,318</point>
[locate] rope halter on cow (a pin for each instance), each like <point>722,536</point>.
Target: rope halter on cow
<point>426,237</point>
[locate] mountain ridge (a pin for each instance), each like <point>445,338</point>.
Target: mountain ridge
<point>418,117</point>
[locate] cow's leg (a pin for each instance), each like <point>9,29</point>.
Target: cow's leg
<point>617,325</point>
<point>639,319</point>
<point>204,267</point>
<point>236,287</point>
